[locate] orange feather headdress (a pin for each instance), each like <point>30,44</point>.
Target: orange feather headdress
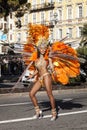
<point>38,37</point>
<point>38,34</point>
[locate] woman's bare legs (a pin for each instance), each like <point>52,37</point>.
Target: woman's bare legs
<point>32,93</point>
<point>36,87</point>
<point>48,84</point>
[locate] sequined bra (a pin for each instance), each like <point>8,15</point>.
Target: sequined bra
<point>41,63</point>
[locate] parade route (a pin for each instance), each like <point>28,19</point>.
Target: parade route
<point>17,111</point>
<point>46,116</point>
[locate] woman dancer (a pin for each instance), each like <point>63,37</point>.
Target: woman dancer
<point>58,62</point>
<point>44,78</point>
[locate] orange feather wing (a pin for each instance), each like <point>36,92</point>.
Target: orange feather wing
<point>65,62</point>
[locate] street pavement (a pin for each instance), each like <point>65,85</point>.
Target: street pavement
<point>16,111</point>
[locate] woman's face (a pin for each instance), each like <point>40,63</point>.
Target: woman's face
<point>42,50</point>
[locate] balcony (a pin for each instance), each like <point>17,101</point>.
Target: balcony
<point>41,7</point>
<point>46,23</point>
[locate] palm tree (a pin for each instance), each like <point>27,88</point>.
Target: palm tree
<point>84,35</point>
<point>82,51</point>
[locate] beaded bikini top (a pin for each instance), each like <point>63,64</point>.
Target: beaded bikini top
<point>40,63</point>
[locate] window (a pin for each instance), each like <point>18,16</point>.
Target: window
<point>59,13</point>
<point>60,0</point>
<point>51,15</point>
<point>34,4</point>
<point>42,17</point>
<point>79,11</point>
<point>79,31</point>
<point>26,18</point>
<point>34,17</point>
<point>11,26</point>
<point>57,34</point>
<point>69,12</point>
<point>18,37</point>
<point>1,26</point>
<point>70,32</point>
<point>60,33</point>
<point>50,1</point>
<point>11,15</point>
<point>5,25</point>
<point>42,1</point>
<point>10,36</point>
<point>26,35</point>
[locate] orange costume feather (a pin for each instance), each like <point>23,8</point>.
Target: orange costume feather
<point>64,57</point>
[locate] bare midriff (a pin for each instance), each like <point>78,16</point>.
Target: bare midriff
<point>41,65</point>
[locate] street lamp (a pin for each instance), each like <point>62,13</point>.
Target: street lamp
<point>54,20</point>
<point>51,36</point>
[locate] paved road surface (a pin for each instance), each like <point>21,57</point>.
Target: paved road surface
<point>16,111</point>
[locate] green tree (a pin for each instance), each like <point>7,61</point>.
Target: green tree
<point>82,49</point>
<point>8,6</point>
<point>84,34</point>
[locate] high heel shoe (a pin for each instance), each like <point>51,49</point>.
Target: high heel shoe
<point>54,115</point>
<point>38,116</point>
<point>39,113</point>
<point>54,118</point>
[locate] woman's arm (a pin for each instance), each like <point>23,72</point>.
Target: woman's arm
<point>51,65</point>
<point>52,68</point>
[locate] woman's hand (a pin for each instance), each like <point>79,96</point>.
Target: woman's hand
<point>54,73</point>
<point>30,76</point>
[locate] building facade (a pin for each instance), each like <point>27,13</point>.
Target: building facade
<point>63,17</point>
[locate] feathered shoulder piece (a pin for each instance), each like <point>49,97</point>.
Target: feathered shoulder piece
<point>65,60</point>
